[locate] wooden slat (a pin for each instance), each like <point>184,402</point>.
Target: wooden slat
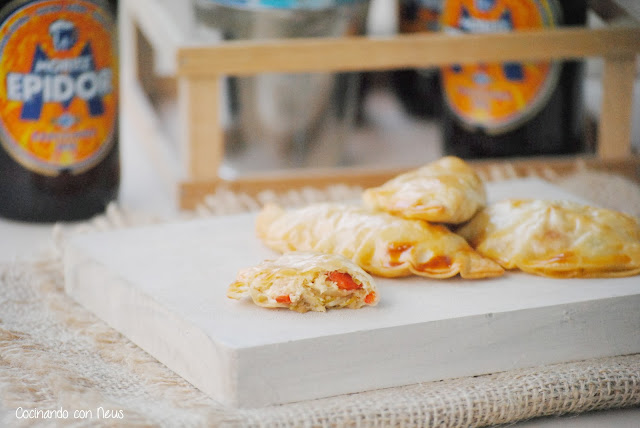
<point>614,137</point>
<point>160,30</point>
<point>411,51</point>
<point>191,193</point>
<point>202,134</point>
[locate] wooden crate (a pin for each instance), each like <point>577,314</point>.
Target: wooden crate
<point>163,62</point>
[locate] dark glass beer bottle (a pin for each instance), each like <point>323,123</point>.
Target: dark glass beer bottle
<point>59,156</point>
<point>512,108</point>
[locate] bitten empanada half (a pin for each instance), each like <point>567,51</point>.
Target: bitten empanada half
<point>445,191</point>
<point>380,243</point>
<point>559,239</point>
<point>306,281</point>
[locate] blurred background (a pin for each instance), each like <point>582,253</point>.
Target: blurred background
<point>375,119</point>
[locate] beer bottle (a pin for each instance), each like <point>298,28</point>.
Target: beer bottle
<point>418,89</point>
<point>512,108</point>
<point>59,157</point>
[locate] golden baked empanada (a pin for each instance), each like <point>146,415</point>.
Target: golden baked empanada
<point>306,281</point>
<point>378,242</point>
<point>445,191</point>
<point>557,239</point>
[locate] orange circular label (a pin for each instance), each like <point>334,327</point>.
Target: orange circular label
<point>58,85</point>
<point>498,96</point>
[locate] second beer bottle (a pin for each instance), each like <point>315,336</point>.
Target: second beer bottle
<point>512,108</point>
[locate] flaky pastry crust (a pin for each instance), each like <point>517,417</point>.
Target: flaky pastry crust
<point>380,243</point>
<point>445,191</point>
<point>559,239</point>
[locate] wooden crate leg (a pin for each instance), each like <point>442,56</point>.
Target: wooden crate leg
<point>614,138</point>
<point>202,134</point>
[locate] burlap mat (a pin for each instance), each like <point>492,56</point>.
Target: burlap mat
<point>55,355</point>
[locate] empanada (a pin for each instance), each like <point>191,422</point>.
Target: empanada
<point>557,239</point>
<point>378,242</point>
<point>445,191</point>
<point>306,281</point>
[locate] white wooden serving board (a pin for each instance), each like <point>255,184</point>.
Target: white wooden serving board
<point>164,288</point>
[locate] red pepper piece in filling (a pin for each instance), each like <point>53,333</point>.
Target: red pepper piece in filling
<point>370,298</point>
<point>343,280</point>
<point>283,299</point>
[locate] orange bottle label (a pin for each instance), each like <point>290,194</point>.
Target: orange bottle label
<point>498,96</point>
<point>58,85</point>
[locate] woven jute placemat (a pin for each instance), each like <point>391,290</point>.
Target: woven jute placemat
<point>62,366</point>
